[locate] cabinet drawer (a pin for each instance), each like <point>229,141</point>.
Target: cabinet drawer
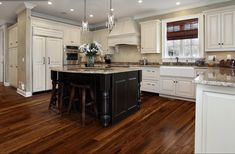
<point>152,74</point>
<point>150,86</point>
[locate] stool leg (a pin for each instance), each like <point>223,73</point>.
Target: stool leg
<point>83,106</point>
<point>94,102</point>
<point>53,94</point>
<point>71,99</point>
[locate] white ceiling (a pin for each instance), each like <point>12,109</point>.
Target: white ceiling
<point>99,8</point>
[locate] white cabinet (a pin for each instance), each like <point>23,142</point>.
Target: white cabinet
<point>101,36</point>
<point>179,87</point>
<point>72,35</point>
<point>54,58</point>
<point>13,55</point>
<point>13,36</point>
<point>215,118</point>
<point>39,62</point>
<point>220,30</point>
<point>150,36</point>
<point>47,52</point>
<point>13,67</point>
<point>167,86</point>
<point>185,88</point>
<point>150,79</point>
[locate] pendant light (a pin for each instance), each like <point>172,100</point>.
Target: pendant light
<point>85,22</point>
<point>111,22</point>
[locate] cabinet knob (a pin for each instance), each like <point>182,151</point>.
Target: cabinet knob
<point>222,43</point>
<point>219,43</point>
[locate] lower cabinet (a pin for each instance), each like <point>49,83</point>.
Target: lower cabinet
<point>150,81</point>
<point>13,67</point>
<point>125,94</point>
<point>150,86</point>
<point>215,118</point>
<point>180,87</point>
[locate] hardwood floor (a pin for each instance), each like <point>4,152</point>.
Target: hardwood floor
<point>161,126</point>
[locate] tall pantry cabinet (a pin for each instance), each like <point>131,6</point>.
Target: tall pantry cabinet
<point>13,55</point>
<point>47,52</point>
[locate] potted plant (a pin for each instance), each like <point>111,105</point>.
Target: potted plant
<point>90,50</point>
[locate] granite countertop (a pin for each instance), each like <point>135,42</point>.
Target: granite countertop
<point>93,70</point>
<point>217,77</point>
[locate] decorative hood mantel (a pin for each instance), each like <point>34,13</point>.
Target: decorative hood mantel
<point>126,31</point>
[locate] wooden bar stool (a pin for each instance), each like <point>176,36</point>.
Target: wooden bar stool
<point>81,89</point>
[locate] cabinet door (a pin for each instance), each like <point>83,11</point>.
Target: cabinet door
<point>228,30</point>
<point>218,126</point>
<point>120,96</point>
<point>167,86</point>
<point>39,60</point>
<point>185,88</point>
<point>54,50</point>
<point>132,86</point>
<point>13,67</point>
<point>13,37</point>
<point>150,86</point>
<point>148,37</point>
<point>72,35</point>
<point>213,32</point>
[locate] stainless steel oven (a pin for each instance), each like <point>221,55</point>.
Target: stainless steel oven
<point>71,55</point>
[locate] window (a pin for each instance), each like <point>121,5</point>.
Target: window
<point>181,38</point>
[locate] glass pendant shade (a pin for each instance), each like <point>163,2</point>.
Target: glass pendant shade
<point>85,25</point>
<point>111,21</point>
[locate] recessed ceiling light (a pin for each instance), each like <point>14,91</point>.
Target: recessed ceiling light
<point>177,3</point>
<point>112,9</point>
<point>140,1</point>
<point>71,10</point>
<point>91,15</point>
<point>49,3</point>
<point>0,3</point>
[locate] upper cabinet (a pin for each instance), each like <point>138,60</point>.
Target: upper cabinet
<point>150,36</point>
<point>101,36</point>
<point>13,41</point>
<point>72,35</point>
<point>220,30</point>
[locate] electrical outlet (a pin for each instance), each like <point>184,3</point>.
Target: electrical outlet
<point>211,57</point>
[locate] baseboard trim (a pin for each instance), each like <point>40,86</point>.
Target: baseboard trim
<point>180,98</point>
<point>6,84</point>
<point>24,93</point>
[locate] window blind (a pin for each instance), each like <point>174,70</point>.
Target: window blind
<point>184,29</point>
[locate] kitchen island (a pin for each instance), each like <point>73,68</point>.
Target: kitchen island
<point>215,111</point>
<point>117,90</point>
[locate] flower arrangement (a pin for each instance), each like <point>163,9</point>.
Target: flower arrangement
<point>90,49</point>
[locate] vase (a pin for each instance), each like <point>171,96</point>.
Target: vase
<point>90,61</point>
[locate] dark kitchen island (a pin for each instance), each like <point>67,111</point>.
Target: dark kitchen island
<point>117,90</point>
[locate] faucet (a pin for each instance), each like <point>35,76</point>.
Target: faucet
<point>177,60</point>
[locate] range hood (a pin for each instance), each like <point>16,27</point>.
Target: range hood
<point>126,31</point>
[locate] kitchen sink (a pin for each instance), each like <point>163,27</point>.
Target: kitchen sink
<point>177,71</point>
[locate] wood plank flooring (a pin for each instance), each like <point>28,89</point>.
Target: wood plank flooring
<point>161,126</point>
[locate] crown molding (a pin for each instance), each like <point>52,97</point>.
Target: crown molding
<point>57,19</point>
<point>171,10</point>
<point>25,5</point>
